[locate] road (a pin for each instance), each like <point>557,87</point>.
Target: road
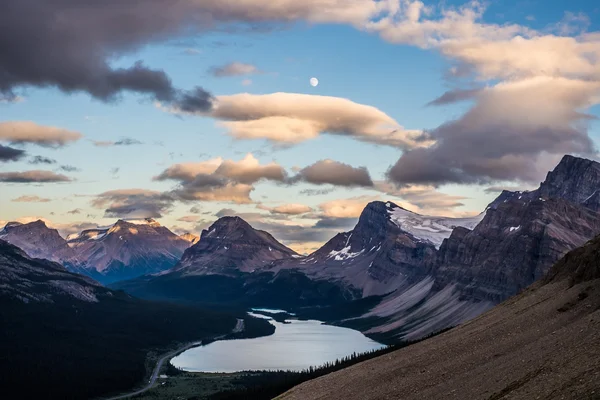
<point>239,327</point>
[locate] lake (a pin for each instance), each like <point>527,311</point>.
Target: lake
<point>294,346</point>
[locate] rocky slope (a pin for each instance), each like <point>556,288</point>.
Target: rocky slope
<point>377,257</point>
<point>521,236</point>
<point>30,280</point>
<point>230,246</point>
<point>127,249</point>
<point>39,241</point>
<point>542,343</point>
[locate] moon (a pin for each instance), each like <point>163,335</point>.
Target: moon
<point>314,82</point>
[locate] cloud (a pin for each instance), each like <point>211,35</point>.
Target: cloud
<point>10,154</point>
<point>346,208</point>
<point>454,96</point>
<point>126,141</point>
<point>195,210</point>
<point>293,118</point>
<point>41,160</point>
<point>220,180</point>
<point>189,218</point>
<point>336,223</point>
<point>72,44</point>
<point>334,173</point>
<point>516,130</point>
<point>31,199</point>
<point>247,82</point>
<point>316,192</point>
<point>19,132</point>
<point>507,134</point>
<point>69,168</point>
<point>133,203</point>
<point>249,170</point>
<point>424,199</point>
<point>192,52</point>
<point>287,209</point>
<point>499,189</point>
<point>75,211</point>
<point>234,69</point>
<point>195,100</point>
<point>34,176</point>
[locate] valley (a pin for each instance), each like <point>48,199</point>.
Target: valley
<point>134,300</point>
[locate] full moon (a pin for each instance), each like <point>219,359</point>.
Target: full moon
<point>314,82</point>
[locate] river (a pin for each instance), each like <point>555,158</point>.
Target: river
<point>294,346</point>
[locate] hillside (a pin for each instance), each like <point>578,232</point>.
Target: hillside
<point>64,336</point>
<point>542,343</point>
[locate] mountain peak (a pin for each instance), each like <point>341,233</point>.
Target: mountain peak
<point>574,179</point>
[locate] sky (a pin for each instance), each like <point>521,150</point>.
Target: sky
<point>189,110</point>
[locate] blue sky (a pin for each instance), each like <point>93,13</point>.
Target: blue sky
<point>398,79</point>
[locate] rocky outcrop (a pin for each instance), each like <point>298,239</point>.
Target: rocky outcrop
<point>514,245</point>
<point>574,179</point>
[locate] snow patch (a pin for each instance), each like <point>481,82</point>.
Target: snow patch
<point>343,254</point>
<point>430,228</point>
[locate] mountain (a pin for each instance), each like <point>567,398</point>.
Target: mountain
<point>190,237</point>
<point>122,251</point>
<point>64,336</point>
<point>230,246</point>
<point>39,241</point>
<point>38,280</point>
<point>128,249</point>
<point>232,265</point>
<point>542,343</point>
<point>384,251</point>
<point>521,236</point>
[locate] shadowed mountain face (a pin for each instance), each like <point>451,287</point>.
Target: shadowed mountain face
<point>64,336</point>
<point>542,343</point>
<point>39,241</point>
<point>37,280</point>
<point>232,264</point>
<point>127,250</point>
<point>122,251</point>
<point>231,246</point>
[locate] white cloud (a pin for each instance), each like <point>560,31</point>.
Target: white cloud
<point>30,132</point>
<point>293,118</point>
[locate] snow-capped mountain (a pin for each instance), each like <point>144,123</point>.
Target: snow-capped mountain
<point>385,250</point>
<point>429,228</point>
<point>128,249</point>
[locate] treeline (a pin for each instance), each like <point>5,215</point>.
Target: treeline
<point>258,385</point>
